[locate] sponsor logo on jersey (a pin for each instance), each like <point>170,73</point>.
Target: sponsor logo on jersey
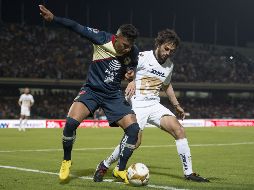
<point>158,73</point>
<point>150,98</point>
<point>114,66</point>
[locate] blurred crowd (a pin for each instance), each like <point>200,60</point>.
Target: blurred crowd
<point>37,52</point>
<point>56,53</point>
<point>219,108</point>
<point>47,105</point>
<point>55,106</point>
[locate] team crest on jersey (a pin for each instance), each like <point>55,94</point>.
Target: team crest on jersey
<point>127,61</point>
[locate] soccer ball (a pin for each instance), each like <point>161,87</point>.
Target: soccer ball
<point>138,174</point>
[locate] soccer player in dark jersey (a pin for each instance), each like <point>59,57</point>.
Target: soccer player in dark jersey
<point>113,57</point>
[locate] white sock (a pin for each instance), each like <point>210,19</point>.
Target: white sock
<point>113,157</point>
<point>183,150</point>
<point>20,124</point>
<point>24,124</point>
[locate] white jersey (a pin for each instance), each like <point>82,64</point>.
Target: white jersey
<point>26,100</point>
<point>150,76</point>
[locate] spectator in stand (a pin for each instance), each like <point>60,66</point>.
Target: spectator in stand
<point>204,63</point>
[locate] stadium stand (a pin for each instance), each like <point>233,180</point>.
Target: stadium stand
<point>34,52</point>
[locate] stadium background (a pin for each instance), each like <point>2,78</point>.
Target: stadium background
<point>213,75</point>
<point>213,78</point>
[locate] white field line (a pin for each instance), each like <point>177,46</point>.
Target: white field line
<point>110,148</point>
<point>84,177</point>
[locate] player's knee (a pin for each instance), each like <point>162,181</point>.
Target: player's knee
<point>179,133</point>
<point>70,127</point>
<point>132,130</point>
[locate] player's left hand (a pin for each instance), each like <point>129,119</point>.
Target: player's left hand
<point>180,112</point>
<point>130,90</point>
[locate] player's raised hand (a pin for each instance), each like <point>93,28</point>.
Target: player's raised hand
<point>45,13</point>
<point>180,112</point>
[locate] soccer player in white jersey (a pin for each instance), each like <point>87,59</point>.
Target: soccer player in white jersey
<point>154,72</point>
<point>26,101</point>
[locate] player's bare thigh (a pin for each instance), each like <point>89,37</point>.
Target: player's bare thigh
<point>78,111</point>
<point>127,120</point>
<point>171,125</point>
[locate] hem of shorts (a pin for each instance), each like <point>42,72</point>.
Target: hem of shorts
<point>85,105</point>
<point>113,123</point>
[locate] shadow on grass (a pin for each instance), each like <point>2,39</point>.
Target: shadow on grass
<point>65,181</point>
<point>215,179</point>
<point>169,173</point>
<point>158,167</point>
<point>83,172</point>
<point>75,174</point>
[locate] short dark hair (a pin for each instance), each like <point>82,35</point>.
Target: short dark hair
<point>129,31</point>
<point>165,36</point>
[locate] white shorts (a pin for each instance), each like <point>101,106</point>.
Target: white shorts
<point>151,114</point>
<point>25,111</point>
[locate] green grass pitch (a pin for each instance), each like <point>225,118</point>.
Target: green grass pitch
<point>223,155</point>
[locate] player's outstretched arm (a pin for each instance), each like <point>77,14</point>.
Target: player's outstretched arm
<point>49,16</point>
<point>93,35</point>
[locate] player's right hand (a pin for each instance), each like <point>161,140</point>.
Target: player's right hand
<point>45,13</point>
<point>180,112</point>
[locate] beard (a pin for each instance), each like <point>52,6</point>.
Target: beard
<point>161,58</point>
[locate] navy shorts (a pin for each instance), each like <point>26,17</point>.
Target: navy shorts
<point>114,105</point>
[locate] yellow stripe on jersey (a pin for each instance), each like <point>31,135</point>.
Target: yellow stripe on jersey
<point>104,51</point>
<point>150,85</point>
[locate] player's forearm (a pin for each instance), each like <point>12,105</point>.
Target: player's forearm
<point>171,94</point>
<point>70,24</point>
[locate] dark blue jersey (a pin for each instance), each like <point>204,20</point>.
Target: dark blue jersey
<point>107,68</point>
